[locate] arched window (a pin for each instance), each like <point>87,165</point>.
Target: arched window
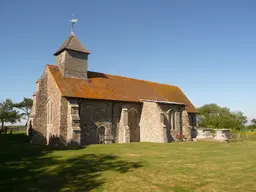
<point>102,130</point>
<point>49,112</point>
<point>177,120</point>
<point>172,119</point>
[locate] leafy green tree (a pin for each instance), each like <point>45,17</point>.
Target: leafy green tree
<point>238,121</point>
<point>7,113</point>
<point>252,126</point>
<point>214,116</point>
<point>253,122</point>
<point>25,106</point>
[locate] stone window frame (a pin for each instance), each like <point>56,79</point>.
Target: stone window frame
<point>162,119</point>
<point>173,116</point>
<point>177,119</point>
<point>49,112</point>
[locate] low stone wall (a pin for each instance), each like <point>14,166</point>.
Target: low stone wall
<point>222,134</point>
<point>207,134</point>
<point>204,133</point>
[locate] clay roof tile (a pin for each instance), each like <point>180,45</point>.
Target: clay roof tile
<point>110,87</point>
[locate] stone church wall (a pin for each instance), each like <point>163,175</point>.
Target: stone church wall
<point>50,115</point>
<point>105,115</point>
<point>162,122</point>
<point>125,115</point>
<point>40,116</point>
<point>123,122</point>
<point>186,130</point>
<point>150,124</point>
<point>93,115</point>
<point>172,116</point>
<point>54,99</point>
<point>63,119</point>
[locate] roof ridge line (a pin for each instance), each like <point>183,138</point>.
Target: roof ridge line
<point>128,78</point>
<point>70,39</point>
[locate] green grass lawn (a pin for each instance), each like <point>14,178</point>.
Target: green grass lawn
<point>195,166</point>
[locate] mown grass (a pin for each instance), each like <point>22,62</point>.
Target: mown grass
<point>246,135</point>
<point>195,166</point>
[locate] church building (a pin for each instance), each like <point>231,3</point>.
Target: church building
<point>82,107</point>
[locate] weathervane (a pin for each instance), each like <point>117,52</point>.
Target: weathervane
<point>73,21</point>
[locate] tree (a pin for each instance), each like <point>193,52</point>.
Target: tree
<point>238,120</point>
<point>214,116</point>
<point>252,126</point>
<point>25,106</point>
<point>7,113</point>
<point>253,122</point>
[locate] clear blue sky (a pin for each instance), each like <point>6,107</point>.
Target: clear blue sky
<point>208,48</point>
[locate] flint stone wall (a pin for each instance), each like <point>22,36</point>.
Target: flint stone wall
<point>64,120</point>
<point>47,92</point>
<point>54,97</point>
<point>96,114</point>
<point>185,126</point>
<point>40,115</point>
<point>173,113</point>
<point>151,128</point>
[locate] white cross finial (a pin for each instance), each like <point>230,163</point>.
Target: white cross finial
<point>73,21</point>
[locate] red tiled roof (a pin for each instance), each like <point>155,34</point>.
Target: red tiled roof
<point>110,87</point>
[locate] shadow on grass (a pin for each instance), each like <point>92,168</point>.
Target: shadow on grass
<point>26,167</point>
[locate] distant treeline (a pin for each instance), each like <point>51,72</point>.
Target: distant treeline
<point>16,128</point>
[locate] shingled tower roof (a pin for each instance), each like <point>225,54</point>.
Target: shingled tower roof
<point>72,43</point>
